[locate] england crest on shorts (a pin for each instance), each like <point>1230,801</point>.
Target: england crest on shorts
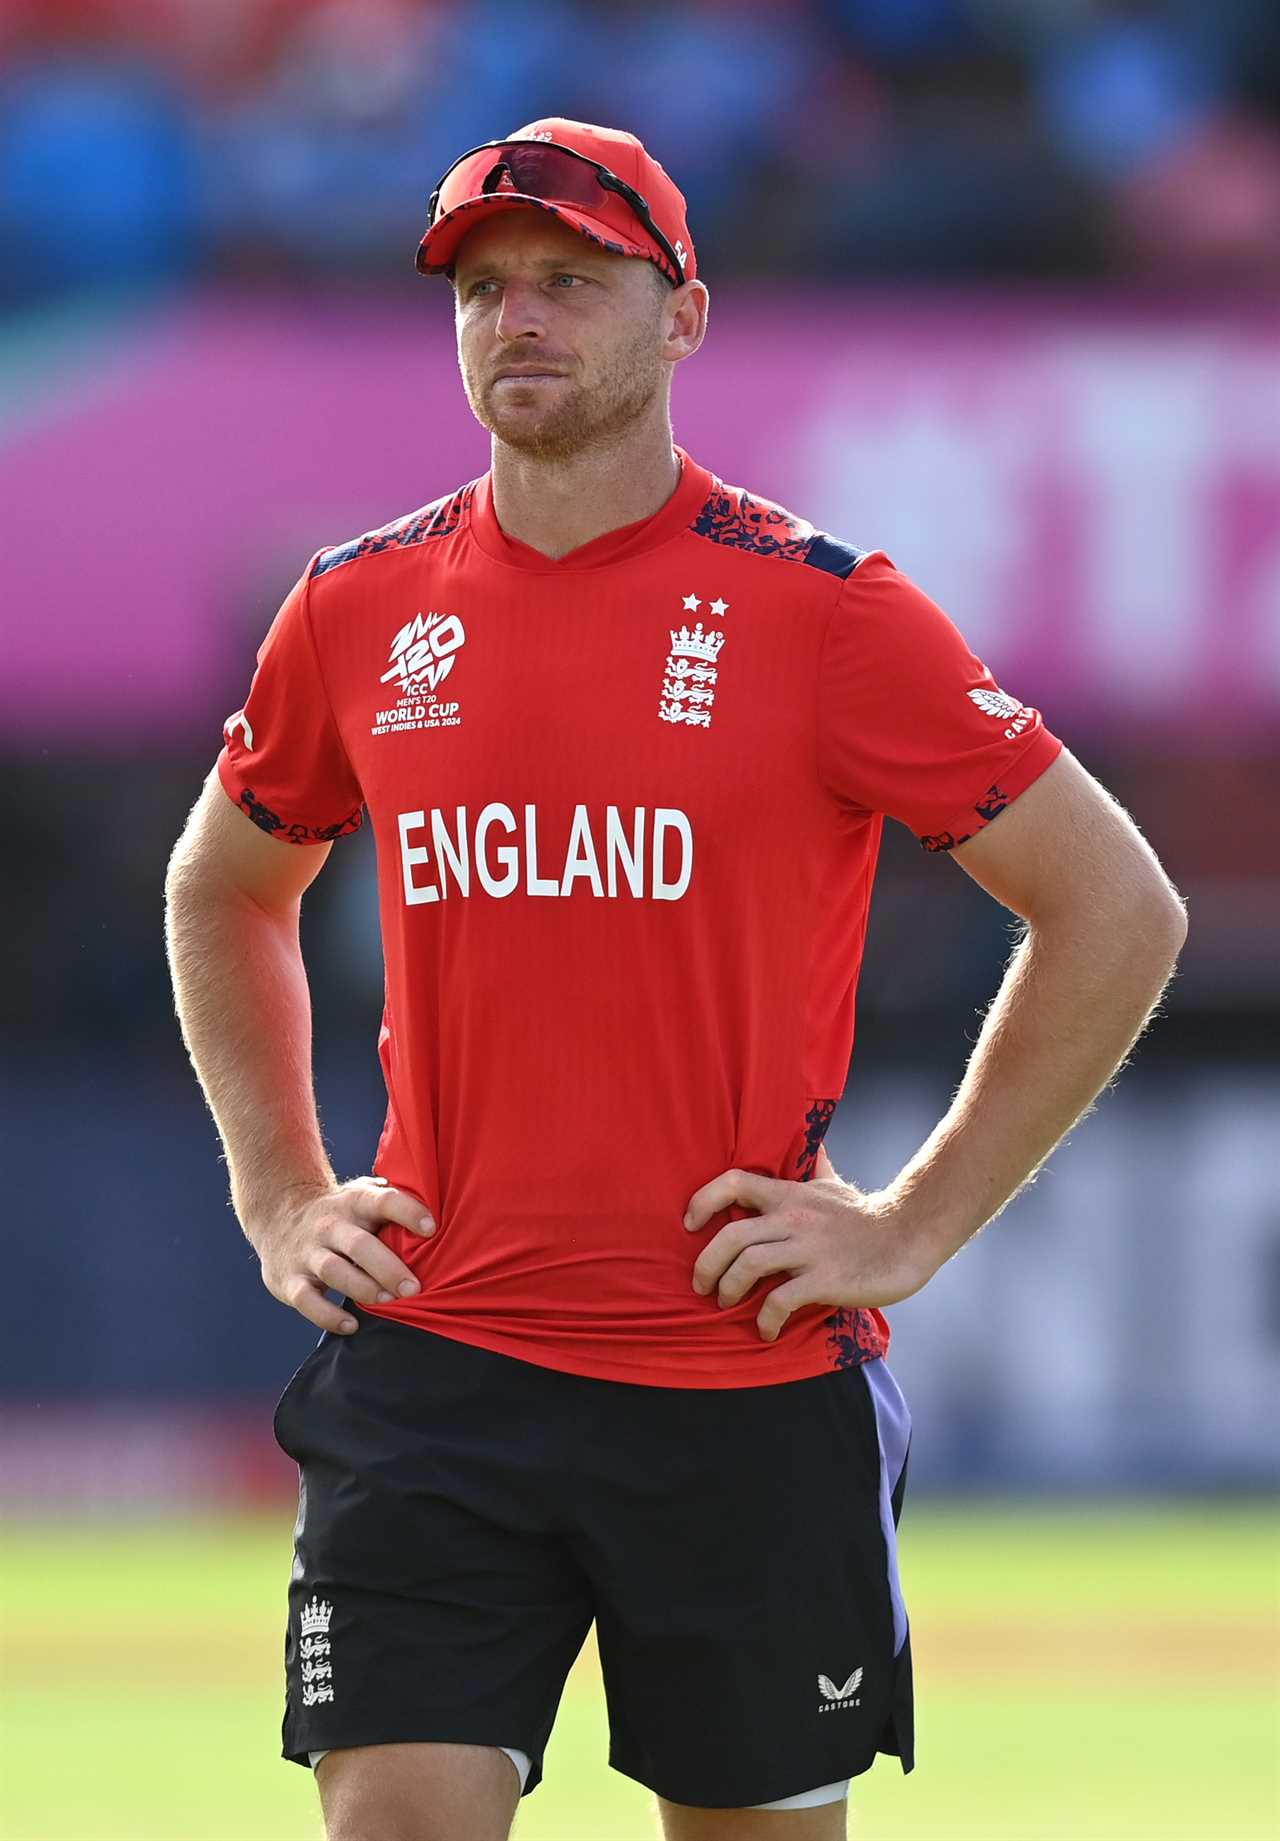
<point>314,1658</point>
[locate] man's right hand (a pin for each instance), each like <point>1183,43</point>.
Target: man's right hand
<point>330,1239</point>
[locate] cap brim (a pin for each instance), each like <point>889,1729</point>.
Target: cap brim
<point>439,248</point>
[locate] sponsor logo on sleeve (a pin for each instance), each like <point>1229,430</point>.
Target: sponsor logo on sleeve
<point>1000,704</point>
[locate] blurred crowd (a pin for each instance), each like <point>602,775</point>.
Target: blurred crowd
<point>144,141</point>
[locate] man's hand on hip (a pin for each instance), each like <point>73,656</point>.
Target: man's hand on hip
<point>838,1245</point>
<point>329,1239</point>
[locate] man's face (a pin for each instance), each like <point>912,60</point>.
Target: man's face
<point>560,342</point>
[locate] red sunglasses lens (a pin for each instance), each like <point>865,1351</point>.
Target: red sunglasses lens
<point>527,167</point>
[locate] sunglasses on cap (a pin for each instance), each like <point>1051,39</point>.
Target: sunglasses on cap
<point>553,174</point>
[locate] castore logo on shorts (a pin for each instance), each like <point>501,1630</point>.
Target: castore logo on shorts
<point>839,1700</point>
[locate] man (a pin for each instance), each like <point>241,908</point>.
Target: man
<point>612,1344</point>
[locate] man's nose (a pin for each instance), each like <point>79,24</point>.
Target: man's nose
<point>523,311</point>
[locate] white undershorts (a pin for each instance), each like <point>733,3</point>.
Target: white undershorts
<point>806,1799</point>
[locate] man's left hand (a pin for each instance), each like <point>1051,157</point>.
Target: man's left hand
<point>838,1245</point>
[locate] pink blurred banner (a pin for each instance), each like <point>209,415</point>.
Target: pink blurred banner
<point>1091,491</point>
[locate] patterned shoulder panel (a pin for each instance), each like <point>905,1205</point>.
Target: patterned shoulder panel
<point>733,517</point>
<point>435,520</point>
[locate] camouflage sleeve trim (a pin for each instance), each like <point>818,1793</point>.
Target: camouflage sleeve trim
<point>990,806</point>
<point>267,820</point>
<point>1015,778</point>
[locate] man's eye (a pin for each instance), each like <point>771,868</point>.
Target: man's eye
<point>478,287</point>
<point>571,279</point>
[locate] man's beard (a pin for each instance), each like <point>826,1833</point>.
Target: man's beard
<point>583,418</point>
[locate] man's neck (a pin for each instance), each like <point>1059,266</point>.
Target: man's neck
<point>556,506</point>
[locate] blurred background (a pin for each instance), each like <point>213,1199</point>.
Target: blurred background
<point>995,289</point>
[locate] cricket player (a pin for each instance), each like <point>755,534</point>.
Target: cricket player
<point>611,1346</point>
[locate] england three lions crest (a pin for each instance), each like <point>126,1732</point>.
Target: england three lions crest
<point>315,1652</point>
<point>689,675</point>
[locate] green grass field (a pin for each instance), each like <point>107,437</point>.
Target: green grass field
<point>1109,1674</point>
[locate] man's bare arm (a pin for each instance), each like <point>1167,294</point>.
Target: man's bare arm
<point>1104,929</point>
<point>232,902</point>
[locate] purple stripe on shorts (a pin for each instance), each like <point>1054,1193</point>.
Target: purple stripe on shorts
<point>893,1426</point>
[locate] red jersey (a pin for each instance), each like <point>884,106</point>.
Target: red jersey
<point>627,807</point>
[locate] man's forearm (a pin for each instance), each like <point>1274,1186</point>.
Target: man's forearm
<point>1074,1000</point>
<point>245,1008</point>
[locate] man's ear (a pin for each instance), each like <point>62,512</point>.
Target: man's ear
<point>690,304</point>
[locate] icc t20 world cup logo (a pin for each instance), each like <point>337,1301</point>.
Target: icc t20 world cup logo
<point>423,652</point>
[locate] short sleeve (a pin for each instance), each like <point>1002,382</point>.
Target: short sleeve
<point>283,762</point>
<point>911,723</point>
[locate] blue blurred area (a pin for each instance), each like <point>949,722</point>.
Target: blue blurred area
<point>99,174</point>
<point>862,137</point>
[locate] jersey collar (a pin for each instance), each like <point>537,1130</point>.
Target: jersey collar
<point>627,541</point>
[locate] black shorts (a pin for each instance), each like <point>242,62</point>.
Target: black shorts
<point>463,1517</point>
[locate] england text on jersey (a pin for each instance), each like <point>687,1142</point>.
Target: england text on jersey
<point>618,863</point>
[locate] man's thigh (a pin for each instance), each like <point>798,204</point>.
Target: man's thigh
<point>418,1793</point>
<point>826,1823</point>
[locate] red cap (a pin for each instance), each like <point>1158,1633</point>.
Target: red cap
<point>611,223</point>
